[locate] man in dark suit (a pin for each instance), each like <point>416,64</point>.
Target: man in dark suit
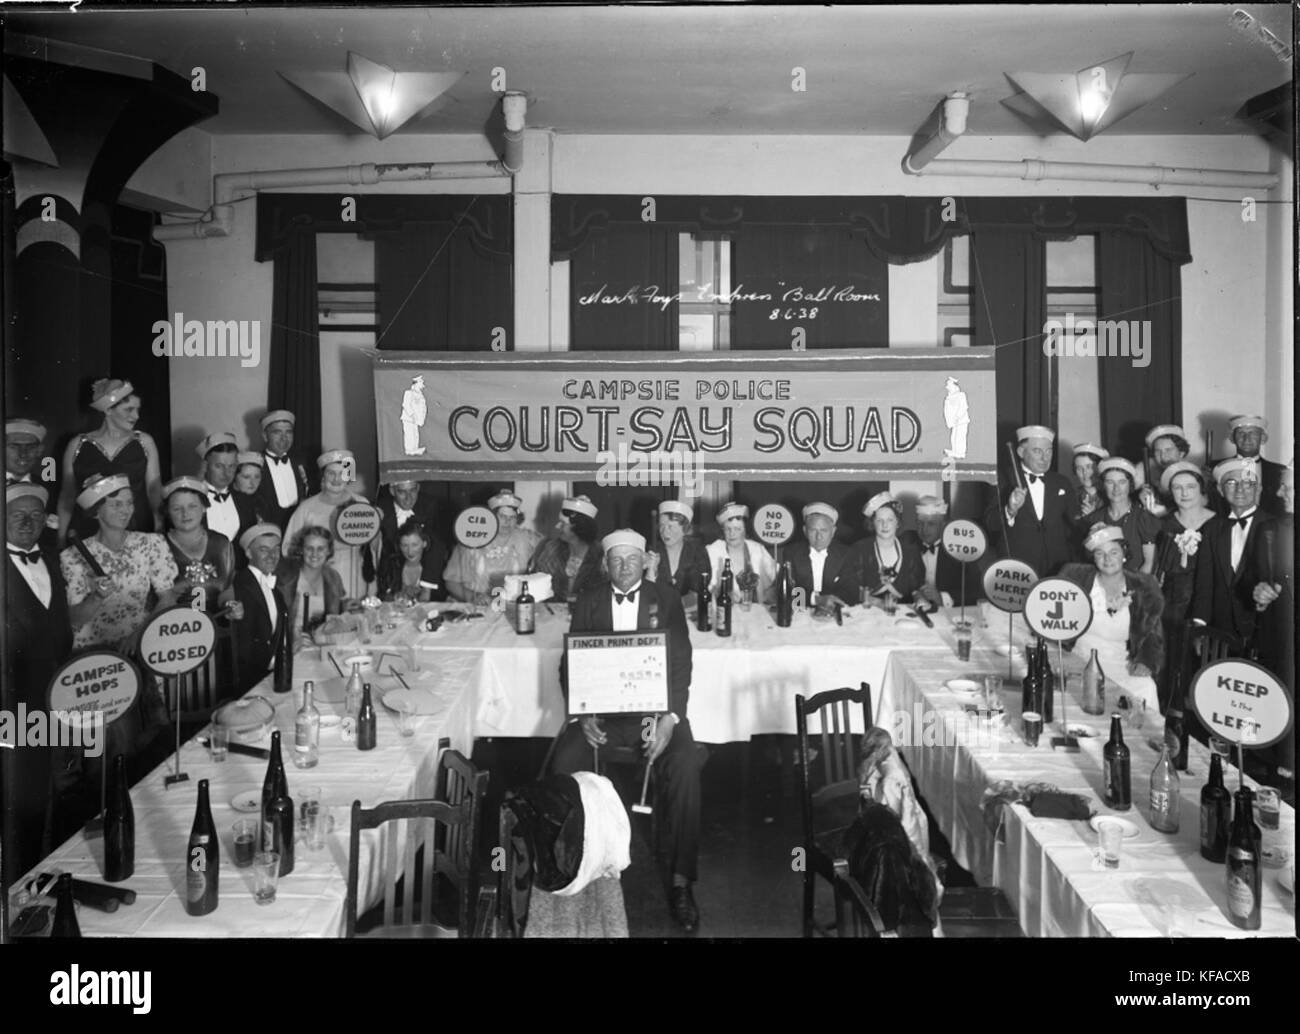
<point>943,574</point>
<point>262,614</point>
<point>1275,602</point>
<point>401,503</point>
<point>229,512</point>
<point>24,447</point>
<point>821,564</point>
<point>284,480</point>
<point>39,640</point>
<point>1248,433</point>
<point>1233,559</point>
<point>629,604</point>
<point>1030,519</point>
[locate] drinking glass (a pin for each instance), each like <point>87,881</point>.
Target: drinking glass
<point>993,693</point>
<point>219,743</point>
<point>245,831</point>
<point>1267,807</point>
<point>1111,837</point>
<point>312,817</point>
<point>266,874</point>
<point>1033,727</point>
<point>963,641</point>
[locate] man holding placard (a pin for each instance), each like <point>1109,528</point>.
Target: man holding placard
<point>629,604</point>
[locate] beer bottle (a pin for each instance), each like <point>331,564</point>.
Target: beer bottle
<point>1216,814</point>
<point>65,909</point>
<point>525,612</point>
<point>119,827</point>
<point>722,619</point>
<point>1047,679</point>
<point>275,784</point>
<point>705,598</point>
<point>306,731</point>
<point>202,859</point>
<point>282,680</point>
<point>1115,766</point>
<point>1166,794</point>
<point>1031,687</point>
<point>284,827</point>
<point>1094,687</point>
<point>367,723</point>
<point>784,596</point>
<point>1243,868</point>
<point>352,701</point>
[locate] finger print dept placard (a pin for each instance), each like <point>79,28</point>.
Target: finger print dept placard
<point>617,672</point>
<point>837,414</point>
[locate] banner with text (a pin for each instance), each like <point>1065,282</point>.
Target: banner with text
<point>834,415</point>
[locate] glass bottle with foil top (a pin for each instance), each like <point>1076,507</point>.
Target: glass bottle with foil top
<point>1166,794</point>
<point>306,730</point>
<point>1094,687</point>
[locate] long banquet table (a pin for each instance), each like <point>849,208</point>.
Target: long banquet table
<point>483,680</point>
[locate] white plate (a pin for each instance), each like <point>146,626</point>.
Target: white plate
<point>968,689</point>
<point>1130,830</point>
<point>413,700</point>
<point>248,799</point>
<point>1003,649</point>
<point>330,721</point>
<point>1080,732</point>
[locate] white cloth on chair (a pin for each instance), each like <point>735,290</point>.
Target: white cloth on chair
<point>606,833</point>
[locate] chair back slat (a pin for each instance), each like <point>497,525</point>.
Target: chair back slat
<point>427,847</point>
<point>391,874</point>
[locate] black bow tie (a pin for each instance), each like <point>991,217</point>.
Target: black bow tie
<point>932,547</point>
<point>1033,479</point>
<point>1241,522</point>
<point>220,497</point>
<point>629,596</point>
<point>277,459</point>
<point>34,557</point>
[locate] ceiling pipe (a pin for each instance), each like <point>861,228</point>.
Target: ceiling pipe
<point>956,106</point>
<point>1152,175</point>
<point>226,185</point>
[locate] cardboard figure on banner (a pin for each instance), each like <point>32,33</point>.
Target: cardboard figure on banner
<point>415,410</point>
<point>956,416</point>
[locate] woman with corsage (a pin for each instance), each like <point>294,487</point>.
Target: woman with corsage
<point>752,566</point>
<point>1126,629</point>
<point>887,565</point>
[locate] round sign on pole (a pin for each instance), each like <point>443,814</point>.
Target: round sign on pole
<point>476,526</point>
<point>964,541</point>
<point>1007,584</point>
<point>357,523</point>
<point>176,641</point>
<point>1058,610</point>
<point>96,686</point>
<point>1242,702</point>
<point>773,524</point>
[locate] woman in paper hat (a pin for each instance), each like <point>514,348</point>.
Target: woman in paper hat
<point>115,448</point>
<point>338,473</point>
<point>1126,629</point>
<point>1119,479</point>
<point>1087,498</point>
<point>205,559</point>
<point>249,469</point>
<point>680,558</point>
<point>886,563</point>
<point>751,564</point>
<point>472,573</point>
<point>571,557</point>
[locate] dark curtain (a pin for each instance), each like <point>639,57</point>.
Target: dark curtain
<point>1137,283</point>
<point>295,339</point>
<point>439,292</point>
<point>810,272</point>
<point>614,275</point>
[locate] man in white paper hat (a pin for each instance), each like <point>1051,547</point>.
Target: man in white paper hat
<point>1248,434</point>
<point>820,562</point>
<point>943,575</point>
<point>285,481</point>
<point>265,613</point>
<point>402,501</point>
<point>630,603</point>
<point>1031,521</point>
<point>24,442</point>
<point>229,512</point>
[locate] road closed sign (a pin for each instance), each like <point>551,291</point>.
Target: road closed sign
<point>1242,702</point>
<point>1058,610</point>
<point>177,641</point>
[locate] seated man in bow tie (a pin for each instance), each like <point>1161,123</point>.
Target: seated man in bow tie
<point>943,575</point>
<point>284,477</point>
<point>230,513</point>
<point>1238,554</point>
<point>1248,434</point>
<point>399,502</point>
<point>1030,520</point>
<point>261,612</point>
<point>820,564</point>
<point>38,641</point>
<point>628,604</point>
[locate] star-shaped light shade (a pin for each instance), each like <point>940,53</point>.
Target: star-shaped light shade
<point>374,97</point>
<point>1091,100</point>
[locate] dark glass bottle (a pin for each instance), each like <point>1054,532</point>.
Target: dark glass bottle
<point>1216,814</point>
<point>1031,687</point>
<point>1118,793</point>
<point>306,612</point>
<point>1176,730</point>
<point>283,674</point>
<point>1243,868</point>
<point>784,596</point>
<point>119,827</point>
<point>202,859</point>
<point>275,784</point>
<point>722,616</point>
<point>283,824</point>
<point>704,614</point>
<point>367,723</point>
<point>525,612</point>
<point>65,909</point>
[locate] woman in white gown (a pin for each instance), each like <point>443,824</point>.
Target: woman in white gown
<point>1126,605</point>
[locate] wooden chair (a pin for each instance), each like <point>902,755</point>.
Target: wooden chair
<point>440,842</point>
<point>855,915</point>
<point>196,694</point>
<point>829,811</point>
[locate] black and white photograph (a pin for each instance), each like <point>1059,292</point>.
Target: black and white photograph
<point>886,413</point>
